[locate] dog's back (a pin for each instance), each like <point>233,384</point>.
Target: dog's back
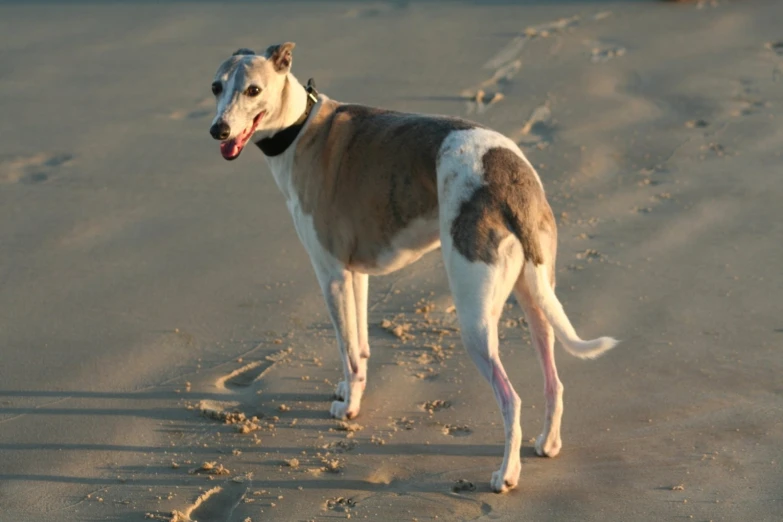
<point>366,175</point>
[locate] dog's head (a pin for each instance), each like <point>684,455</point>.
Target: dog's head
<point>248,89</point>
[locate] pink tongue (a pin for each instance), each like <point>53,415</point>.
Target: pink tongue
<point>230,148</point>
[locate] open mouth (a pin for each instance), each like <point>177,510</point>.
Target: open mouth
<point>230,149</point>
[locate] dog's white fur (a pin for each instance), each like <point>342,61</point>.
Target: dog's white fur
<point>480,289</point>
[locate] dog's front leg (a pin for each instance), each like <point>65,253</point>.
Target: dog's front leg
<point>339,287</point>
<point>360,288</point>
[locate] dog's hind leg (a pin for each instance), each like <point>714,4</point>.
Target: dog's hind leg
<point>480,291</point>
<point>548,443</point>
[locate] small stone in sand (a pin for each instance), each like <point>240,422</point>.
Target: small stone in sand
<point>292,463</point>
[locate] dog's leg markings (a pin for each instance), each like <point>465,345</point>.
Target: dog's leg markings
<point>548,443</point>
<point>479,293</point>
<point>481,341</point>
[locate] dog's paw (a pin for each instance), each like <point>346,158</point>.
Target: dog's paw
<point>339,410</point>
<point>504,480</point>
<point>548,447</point>
<point>341,392</point>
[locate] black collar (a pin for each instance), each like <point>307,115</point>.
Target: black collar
<point>280,141</point>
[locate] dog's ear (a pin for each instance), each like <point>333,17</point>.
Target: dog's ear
<point>280,56</point>
<point>243,50</point>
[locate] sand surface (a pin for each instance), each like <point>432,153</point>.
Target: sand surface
<point>154,298</point>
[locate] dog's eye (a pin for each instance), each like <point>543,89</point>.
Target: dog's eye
<point>217,88</point>
<point>253,90</point>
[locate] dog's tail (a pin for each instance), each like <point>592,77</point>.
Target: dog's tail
<point>538,283</point>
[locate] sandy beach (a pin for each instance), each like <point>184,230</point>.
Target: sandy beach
<point>165,353</point>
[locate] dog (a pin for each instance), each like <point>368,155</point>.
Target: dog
<point>373,190</point>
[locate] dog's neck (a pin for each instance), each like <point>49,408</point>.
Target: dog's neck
<point>293,102</point>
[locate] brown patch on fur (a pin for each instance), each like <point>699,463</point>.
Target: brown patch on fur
<point>511,200</point>
<point>364,174</point>
<point>280,55</point>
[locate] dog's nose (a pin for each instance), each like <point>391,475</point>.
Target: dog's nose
<point>220,130</point>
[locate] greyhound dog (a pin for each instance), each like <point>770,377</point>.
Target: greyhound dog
<point>372,190</point>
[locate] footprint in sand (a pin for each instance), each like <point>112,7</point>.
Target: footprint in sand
<point>214,504</point>
<point>252,372</point>
<point>246,375</point>
<point>746,106</point>
<point>601,52</point>
<point>538,130</point>
<point>510,52</point>
<point>747,101</point>
<point>506,62</point>
<point>32,169</point>
<point>489,92</point>
<point>243,383</point>
<point>506,65</point>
